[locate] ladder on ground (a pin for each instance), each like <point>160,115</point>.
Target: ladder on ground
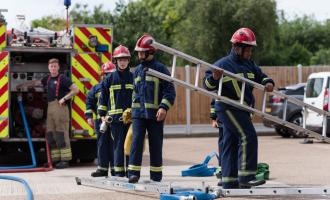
<point>239,104</point>
<point>155,189</point>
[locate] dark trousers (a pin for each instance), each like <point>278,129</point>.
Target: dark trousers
<point>240,148</point>
<point>104,147</point>
<point>155,135</point>
<point>220,137</point>
<point>119,132</point>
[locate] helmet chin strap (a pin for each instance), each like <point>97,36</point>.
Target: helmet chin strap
<point>242,47</point>
<point>146,55</point>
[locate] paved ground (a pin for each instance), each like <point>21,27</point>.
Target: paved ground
<point>290,162</point>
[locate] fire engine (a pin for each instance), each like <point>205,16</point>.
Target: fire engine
<point>23,56</point>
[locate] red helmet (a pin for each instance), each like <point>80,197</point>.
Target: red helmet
<point>121,52</point>
<point>143,43</point>
<point>244,36</point>
<point>108,67</point>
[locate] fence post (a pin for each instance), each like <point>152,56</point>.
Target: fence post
<point>188,116</point>
<point>299,67</point>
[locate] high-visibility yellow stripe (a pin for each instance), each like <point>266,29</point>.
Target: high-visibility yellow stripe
<point>137,79</point>
<point>100,107</point>
<point>78,83</point>
<point>156,169</point>
<point>3,63</point>
<point>134,167</point>
<point>209,84</point>
<point>104,59</point>
<point>82,37</point>
<point>92,63</point>
<point>225,179</point>
<point>156,86</point>
<point>250,75</point>
<point>76,46</point>
<point>236,87</point>
<point>81,122</point>
<point>246,172</point>
<point>4,133</point>
<point>119,169</point>
<point>3,81</point>
<point>135,105</point>
<point>243,139</point>
<point>3,97</point>
<point>2,31</point>
<point>4,113</point>
<point>166,102</point>
<point>80,103</point>
<point>84,72</point>
<point>100,38</point>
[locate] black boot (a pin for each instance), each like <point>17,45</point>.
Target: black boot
<point>133,179</point>
<point>62,165</point>
<point>99,173</point>
<point>112,172</point>
<point>251,183</point>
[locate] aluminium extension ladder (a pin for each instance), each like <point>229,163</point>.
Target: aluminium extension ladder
<point>239,104</point>
<point>113,183</point>
<point>154,189</point>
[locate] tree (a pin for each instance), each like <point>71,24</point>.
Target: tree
<point>321,57</point>
<point>81,14</point>
<point>298,54</point>
<point>49,22</point>
<point>157,18</point>
<point>206,34</point>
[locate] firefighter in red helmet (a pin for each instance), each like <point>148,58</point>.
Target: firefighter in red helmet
<point>116,97</point>
<point>104,140</point>
<point>240,145</point>
<point>152,98</point>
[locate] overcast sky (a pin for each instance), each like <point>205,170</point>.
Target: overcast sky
<point>34,9</point>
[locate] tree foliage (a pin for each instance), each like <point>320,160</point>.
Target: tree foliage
<point>50,22</point>
<point>204,28</point>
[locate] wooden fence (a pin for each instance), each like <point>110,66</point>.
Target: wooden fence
<point>200,104</point>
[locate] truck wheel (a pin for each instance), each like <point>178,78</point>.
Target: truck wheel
<point>298,120</point>
<point>283,132</point>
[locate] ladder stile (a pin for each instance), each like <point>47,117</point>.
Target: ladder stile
<point>264,98</point>
<point>285,109</point>
<point>197,74</point>
<point>220,85</point>
<point>324,128</point>
<point>242,92</point>
<point>173,66</point>
<point>304,116</point>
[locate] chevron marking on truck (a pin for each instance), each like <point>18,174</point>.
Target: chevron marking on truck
<point>2,36</point>
<point>4,94</point>
<point>84,66</point>
<point>82,34</point>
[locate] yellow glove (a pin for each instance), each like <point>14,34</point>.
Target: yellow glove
<point>127,116</point>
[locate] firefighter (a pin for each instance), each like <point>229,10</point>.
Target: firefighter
<point>116,97</point>
<point>152,98</point>
<point>240,144</point>
<point>60,90</point>
<point>104,140</point>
